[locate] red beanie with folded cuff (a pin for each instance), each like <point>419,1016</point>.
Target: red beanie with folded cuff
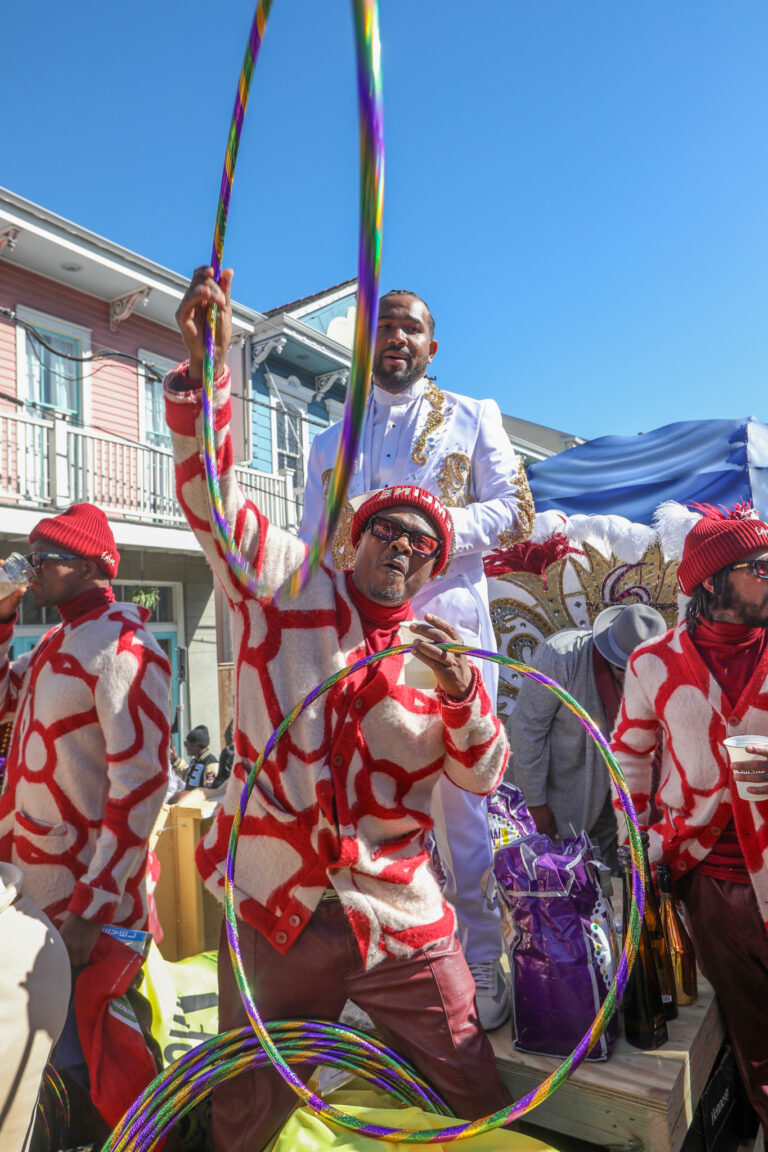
<point>713,543</point>
<point>408,496</point>
<point>84,530</point>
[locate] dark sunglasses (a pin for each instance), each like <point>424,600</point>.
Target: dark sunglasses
<point>37,559</point>
<point>390,530</point>
<point>759,567</point>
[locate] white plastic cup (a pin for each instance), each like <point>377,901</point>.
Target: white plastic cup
<point>746,770</point>
<point>737,747</point>
<point>16,572</point>
<point>416,673</point>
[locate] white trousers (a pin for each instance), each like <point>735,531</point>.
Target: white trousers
<point>463,840</point>
<point>464,843</point>
<point>34,994</point>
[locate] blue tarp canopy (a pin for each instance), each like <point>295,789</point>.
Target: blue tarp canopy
<point>695,461</point>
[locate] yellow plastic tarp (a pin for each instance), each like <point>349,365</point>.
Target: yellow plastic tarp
<point>306,1132</point>
<point>185,1001</point>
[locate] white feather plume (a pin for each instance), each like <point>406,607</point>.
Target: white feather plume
<point>672,522</point>
<point>546,525</point>
<point>616,535</point>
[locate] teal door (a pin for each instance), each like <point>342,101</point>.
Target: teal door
<point>22,644</point>
<point>168,640</point>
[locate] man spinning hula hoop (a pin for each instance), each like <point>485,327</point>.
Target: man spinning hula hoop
<point>334,894</point>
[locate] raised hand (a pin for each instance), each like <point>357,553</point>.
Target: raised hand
<point>190,317</point>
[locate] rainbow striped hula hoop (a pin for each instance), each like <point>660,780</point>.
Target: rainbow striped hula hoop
<point>608,1007</point>
<point>184,1083</point>
<point>368,52</point>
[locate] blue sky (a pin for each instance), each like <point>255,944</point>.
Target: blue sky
<point>579,188</point>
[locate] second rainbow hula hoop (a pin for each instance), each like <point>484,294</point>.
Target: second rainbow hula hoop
<point>368,52</point>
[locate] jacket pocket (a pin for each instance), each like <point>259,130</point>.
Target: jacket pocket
<point>33,827</point>
<point>389,847</point>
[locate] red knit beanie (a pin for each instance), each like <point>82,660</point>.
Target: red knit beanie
<point>717,540</point>
<point>84,530</point>
<point>408,496</point>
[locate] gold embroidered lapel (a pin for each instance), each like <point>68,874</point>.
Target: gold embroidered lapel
<point>435,418</point>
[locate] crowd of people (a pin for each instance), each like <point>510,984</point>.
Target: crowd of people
<point>335,895</point>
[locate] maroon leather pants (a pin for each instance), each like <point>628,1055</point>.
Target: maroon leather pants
<point>732,950</point>
<point>422,1006</point>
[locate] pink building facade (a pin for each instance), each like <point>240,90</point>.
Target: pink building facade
<point>76,424</point>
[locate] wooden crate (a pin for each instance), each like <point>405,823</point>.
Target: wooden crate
<point>226,696</point>
<point>635,1100</point>
<point>189,914</point>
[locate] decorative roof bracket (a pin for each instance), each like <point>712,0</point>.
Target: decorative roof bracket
<point>8,238</point>
<point>122,307</point>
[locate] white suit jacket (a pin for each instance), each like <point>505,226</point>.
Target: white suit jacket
<point>455,447</point>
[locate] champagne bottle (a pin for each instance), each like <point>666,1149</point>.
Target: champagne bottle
<point>659,941</point>
<point>644,1023</point>
<point>678,940</point>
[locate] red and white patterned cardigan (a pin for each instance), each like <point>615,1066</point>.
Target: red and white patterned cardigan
<point>344,799</point>
<point>668,685</point>
<point>87,764</point>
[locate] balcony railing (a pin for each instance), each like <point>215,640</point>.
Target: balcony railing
<point>49,464</point>
<point>25,458</point>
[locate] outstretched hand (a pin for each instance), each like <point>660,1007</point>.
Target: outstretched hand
<point>190,317</point>
<point>452,670</point>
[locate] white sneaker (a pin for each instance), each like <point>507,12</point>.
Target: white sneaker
<point>492,998</point>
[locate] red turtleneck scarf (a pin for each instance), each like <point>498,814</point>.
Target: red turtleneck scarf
<point>85,603</point>
<point>732,653</point>
<point>380,621</point>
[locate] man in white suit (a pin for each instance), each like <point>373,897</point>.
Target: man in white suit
<point>456,447</point>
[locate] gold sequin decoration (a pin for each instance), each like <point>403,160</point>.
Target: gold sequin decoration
<point>455,479</point>
<point>435,418</point>
<point>519,625</point>
<point>607,581</point>
<point>342,550</point>
<point>549,612</point>
<point>526,513</point>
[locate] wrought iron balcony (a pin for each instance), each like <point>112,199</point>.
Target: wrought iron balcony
<point>49,463</point>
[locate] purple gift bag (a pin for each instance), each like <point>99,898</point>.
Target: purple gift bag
<point>557,928</point>
<point>508,816</point>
